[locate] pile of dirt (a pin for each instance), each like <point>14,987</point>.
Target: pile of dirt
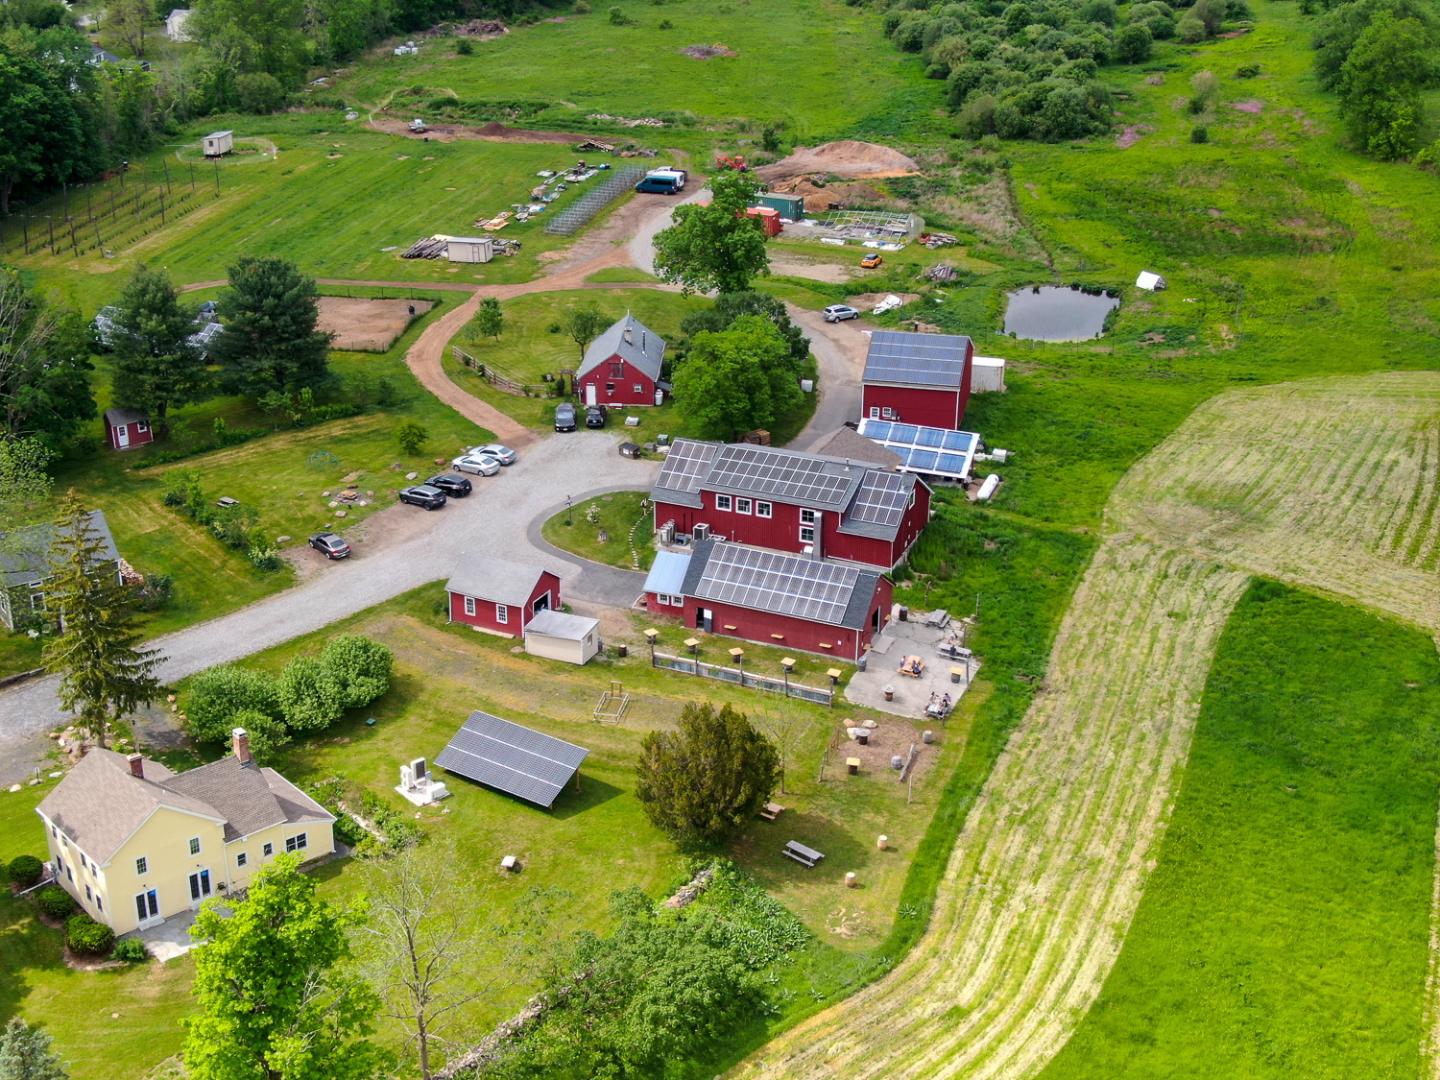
<point>708,52</point>
<point>847,158</point>
<point>820,196</point>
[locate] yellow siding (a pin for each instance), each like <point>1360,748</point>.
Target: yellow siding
<point>164,843</point>
<point>319,842</point>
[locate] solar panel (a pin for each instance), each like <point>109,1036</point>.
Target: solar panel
<point>789,477</point>
<point>772,581</point>
<point>916,359</point>
<point>686,464</point>
<point>517,760</point>
<point>930,450</point>
<point>882,499</point>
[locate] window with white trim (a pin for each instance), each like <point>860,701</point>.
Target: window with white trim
<point>469,605</point>
<point>677,600</point>
<point>142,426</point>
<point>268,850</point>
<point>743,506</point>
<point>809,517</point>
<point>724,502</point>
<point>888,413</point>
<point>142,866</point>
<point>807,534</point>
<point>295,843</point>
<point>502,613</point>
<point>241,859</point>
<point>912,499</point>
<point>37,601</point>
<point>99,902</point>
<point>195,845</point>
<point>662,598</point>
<point>763,509</point>
<point>639,389</point>
<point>88,894</point>
<point>874,412</point>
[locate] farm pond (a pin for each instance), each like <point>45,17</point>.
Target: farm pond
<point>1057,313</point>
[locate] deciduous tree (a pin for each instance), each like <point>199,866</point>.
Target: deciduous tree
<point>583,325</point>
<point>1382,81</point>
<point>730,306</point>
<point>277,998</point>
<point>155,366</point>
<point>709,777</point>
<point>489,319</point>
<point>127,19</point>
<point>105,672</point>
<point>715,247</point>
<point>737,379</point>
<point>270,340</point>
<point>44,367</point>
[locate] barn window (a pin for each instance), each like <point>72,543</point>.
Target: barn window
<point>469,605</point>
<point>763,509</point>
<point>609,388</point>
<point>888,413</point>
<point>807,534</point>
<point>617,371</point>
<point>662,598</point>
<point>639,389</point>
<point>723,502</point>
<point>809,517</point>
<point>141,426</point>
<point>742,506</point>
<point>677,601</point>
<point>874,412</point>
<point>502,613</point>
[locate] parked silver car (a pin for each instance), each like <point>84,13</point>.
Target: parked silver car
<point>482,464</point>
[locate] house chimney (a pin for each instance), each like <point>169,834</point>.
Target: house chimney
<point>137,765</point>
<point>629,330</point>
<point>242,746</point>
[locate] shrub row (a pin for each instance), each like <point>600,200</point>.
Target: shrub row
<point>232,526</point>
<point>310,694</point>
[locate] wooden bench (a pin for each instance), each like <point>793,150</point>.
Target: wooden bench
<point>770,811</point>
<point>800,853</point>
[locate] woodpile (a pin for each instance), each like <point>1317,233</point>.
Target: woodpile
<point>427,247</point>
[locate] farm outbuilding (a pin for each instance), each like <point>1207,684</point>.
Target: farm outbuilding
<point>127,428</point>
<point>987,375</point>
<point>788,206</point>
<point>499,596</point>
<point>25,566</point>
<point>1151,282</point>
<point>219,143</point>
<point>556,635</point>
<point>768,217</point>
<point>470,249</point>
<point>622,366</point>
<point>917,378</point>
<point>175,28</point>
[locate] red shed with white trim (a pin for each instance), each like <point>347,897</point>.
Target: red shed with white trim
<point>499,596</point>
<point>622,366</point>
<point>127,428</point>
<point>917,378</point>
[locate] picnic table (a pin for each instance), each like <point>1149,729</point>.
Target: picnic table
<point>771,810</point>
<point>806,856</point>
<point>912,666</point>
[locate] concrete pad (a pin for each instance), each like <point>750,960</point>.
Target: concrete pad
<point>171,939</point>
<point>897,641</point>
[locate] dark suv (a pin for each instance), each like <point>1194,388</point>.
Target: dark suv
<point>456,487</point>
<point>423,495</point>
<point>565,417</point>
<point>331,545</point>
<point>595,416</point>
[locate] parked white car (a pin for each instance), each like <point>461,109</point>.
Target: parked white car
<point>499,451</point>
<point>482,464</point>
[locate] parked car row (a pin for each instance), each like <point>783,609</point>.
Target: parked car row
<point>566,416</point>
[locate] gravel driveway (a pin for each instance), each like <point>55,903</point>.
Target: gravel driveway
<point>496,520</point>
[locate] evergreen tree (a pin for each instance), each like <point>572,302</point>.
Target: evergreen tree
<point>25,1054</point>
<point>105,673</point>
<point>270,341</point>
<point>275,995</point>
<point>155,366</point>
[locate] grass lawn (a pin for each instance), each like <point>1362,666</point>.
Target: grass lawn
<point>616,514</point>
<point>817,67</point>
<point>1286,929</point>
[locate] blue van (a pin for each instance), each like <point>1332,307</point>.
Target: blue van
<point>658,185</point>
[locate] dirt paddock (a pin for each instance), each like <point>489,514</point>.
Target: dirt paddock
<point>365,324</point>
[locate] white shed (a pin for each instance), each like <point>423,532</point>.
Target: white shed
<point>470,249</point>
<point>558,636</point>
<point>987,375</point>
<point>175,28</point>
<point>1150,282</point>
<point>219,143</point>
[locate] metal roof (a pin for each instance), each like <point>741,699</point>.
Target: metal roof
<point>816,590</point>
<point>560,624</point>
<point>930,450</point>
<point>667,573</point>
<point>497,580</point>
<point>632,341</point>
<point>929,360</point>
<point>516,760</point>
<point>879,505</point>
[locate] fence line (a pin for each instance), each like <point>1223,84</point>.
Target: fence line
<point>580,212</point>
<point>743,678</point>
<point>506,384</point>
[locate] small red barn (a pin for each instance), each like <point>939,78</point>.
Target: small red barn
<point>622,366</point>
<point>917,378</point>
<point>499,596</point>
<point>127,428</point>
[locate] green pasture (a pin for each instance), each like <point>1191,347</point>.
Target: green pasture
<point>1286,929</point>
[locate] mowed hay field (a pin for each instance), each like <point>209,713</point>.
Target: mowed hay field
<point>1050,866</point>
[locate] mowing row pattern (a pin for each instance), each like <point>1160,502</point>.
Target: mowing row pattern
<point>1329,484</point>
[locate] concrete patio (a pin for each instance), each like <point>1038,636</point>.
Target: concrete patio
<point>171,938</point>
<point>911,695</point>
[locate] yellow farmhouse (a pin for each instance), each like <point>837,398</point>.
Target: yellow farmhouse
<point>135,843</point>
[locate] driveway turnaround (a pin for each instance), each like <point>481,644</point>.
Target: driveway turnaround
<point>496,520</point>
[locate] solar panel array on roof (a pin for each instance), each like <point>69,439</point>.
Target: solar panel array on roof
<point>517,760</point>
<point>882,499</point>
<point>898,356</point>
<point>686,465</point>
<point>772,581</point>
<point>790,477</point>
<point>931,450</point>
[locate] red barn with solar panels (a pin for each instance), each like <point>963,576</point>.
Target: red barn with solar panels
<point>498,596</point>
<point>808,504</point>
<point>917,378</point>
<point>774,598</point>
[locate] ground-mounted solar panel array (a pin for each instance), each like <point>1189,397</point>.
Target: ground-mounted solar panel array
<point>881,500</point>
<point>517,760</point>
<point>792,477</point>
<point>772,581</point>
<point>686,465</point>
<point>897,356</point>
<point>930,450</point>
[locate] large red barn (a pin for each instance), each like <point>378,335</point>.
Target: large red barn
<point>772,597</point>
<point>622,366</point>
<point>917,378</point>
<point>809,504</point>
<point>499,596</point>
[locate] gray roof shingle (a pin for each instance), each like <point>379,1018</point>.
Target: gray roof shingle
<point>632,341</point>
<point>25,557</point>
<point>500,580</point>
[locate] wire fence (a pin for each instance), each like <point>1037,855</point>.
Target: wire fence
<point>741,677</point>
<point>579,213</point>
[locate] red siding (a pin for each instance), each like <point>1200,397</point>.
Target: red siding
<point>758,626</point>
<point>653,605</point>
<point>933,408</point>
<point>137,437</point>
<point>486,616</point>
<point>613,389</point>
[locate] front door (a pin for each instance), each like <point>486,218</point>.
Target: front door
<point>590,394</point>
<point>199,887</point>
<point>147,907</point>
<point>122,436</point>
<point>704,619</point>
